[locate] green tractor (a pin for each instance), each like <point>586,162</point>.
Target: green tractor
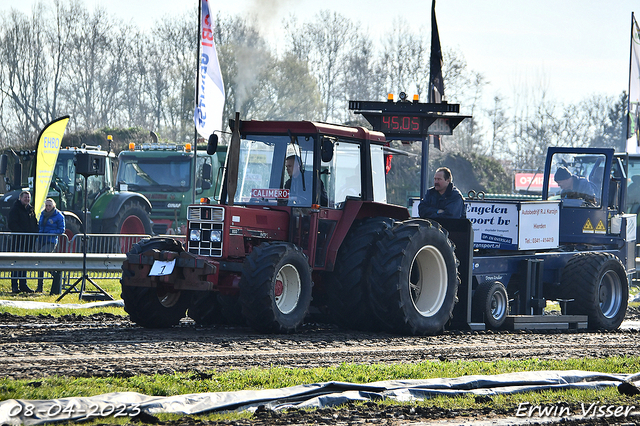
<point>165,174</point>
<point>108,211</point>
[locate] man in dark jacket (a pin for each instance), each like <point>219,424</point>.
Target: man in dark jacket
<point>22,219</point>
<point>292,166</point>
<point>442,199</point>
<point>575,187</point>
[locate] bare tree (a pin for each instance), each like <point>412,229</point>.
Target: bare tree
<point>244,61</point>
<point>58,39</point>
<point>96,68</point>
<point>324,45</point>
<point>178,36</point>
<point>405,60</point>
<point>364,79</point>
<point>498,143</point>
<point>25,76</point>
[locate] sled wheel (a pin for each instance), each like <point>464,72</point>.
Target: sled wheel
<point>490,304</point>
<point>598,284</point>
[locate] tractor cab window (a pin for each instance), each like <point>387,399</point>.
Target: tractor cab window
<point>274,171</point>
<point>95,185</point>
<point>576,179</point>
<point>63,174</point>
<point>169,173</point>
<point>343,173</point>
<point>63,181</point>
<point>378,170</point>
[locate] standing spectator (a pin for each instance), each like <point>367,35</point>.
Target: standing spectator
<point>51,222</point>
<point>22,219</point>
<point>443,199</point>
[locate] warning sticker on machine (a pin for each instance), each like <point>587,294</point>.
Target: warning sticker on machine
<point>588,227</point>
<point>600,228</point>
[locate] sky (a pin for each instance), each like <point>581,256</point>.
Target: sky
<point>572,48</point>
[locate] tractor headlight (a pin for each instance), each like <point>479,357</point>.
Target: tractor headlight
<point>216,236</point>
<point>194,235</point>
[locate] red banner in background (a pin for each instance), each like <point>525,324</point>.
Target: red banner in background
<point>531,182</point>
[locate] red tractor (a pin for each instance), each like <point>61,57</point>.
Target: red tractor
<point>302,222</point>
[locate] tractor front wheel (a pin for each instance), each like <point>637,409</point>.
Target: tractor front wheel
<point>275,289</point>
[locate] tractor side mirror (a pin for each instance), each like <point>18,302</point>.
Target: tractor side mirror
<point>326,150</point>
<point>3,164</point>
<point>17,175</point>
<point>206,171</point>
<point>212,145</point>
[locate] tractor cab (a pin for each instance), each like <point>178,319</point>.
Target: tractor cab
<point>590,184</point>
<point>305,165</point>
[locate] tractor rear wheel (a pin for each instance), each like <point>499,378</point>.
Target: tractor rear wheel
<point>414,278</point>
<point>598,284</point>
<point>275,288</point>
<point>348,294</point>
<point>154,307</point>
<point>490,304</point>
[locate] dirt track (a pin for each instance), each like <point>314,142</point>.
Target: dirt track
<point>104,345</point>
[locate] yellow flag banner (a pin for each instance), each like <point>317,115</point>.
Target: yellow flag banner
<point>46,157</point>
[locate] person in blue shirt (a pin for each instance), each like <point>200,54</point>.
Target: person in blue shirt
<point>443,199</point>
<point>51,222</point>
<point>575,187</point>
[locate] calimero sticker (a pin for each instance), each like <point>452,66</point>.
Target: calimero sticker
<point>588,227</point>
<point>600,229</point>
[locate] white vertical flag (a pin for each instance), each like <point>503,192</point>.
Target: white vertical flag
<point>210,88</point>
<point>633,117</point>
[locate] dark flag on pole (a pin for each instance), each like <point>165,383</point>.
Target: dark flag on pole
<point>436,85</point>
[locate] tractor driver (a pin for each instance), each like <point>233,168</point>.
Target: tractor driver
<point>443,199</point>
<point>575,186</point>
<point>292,165</point>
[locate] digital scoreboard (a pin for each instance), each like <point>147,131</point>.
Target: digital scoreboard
<point>405,120</point>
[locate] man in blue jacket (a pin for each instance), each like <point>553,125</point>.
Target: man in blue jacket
<point>575,187</point>
<point>443,199</point>
<point>51,222</point>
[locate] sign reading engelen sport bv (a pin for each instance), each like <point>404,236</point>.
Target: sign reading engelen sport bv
<point>520,225</point>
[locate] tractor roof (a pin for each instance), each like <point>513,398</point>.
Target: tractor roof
<point>311,127</point>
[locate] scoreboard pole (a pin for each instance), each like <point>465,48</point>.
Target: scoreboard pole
<point>424,166</point>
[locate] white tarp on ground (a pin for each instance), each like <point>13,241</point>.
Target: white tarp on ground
<point>25,304</point>
<point>30,412</point>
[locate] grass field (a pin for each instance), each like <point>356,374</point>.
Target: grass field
<point>214,381</point>
<point>111,286</point>
<point>186,383</point>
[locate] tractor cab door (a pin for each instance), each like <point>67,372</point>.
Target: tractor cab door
<point>581,178</point>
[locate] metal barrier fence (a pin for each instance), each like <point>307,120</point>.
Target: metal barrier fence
<point>21,250</point>
<point>96,243</point>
